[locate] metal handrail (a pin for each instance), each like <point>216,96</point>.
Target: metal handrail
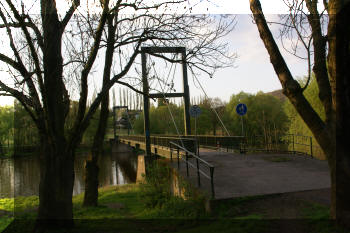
<point>202,140</point>
<point>198,160</point>
<point>191,153</point>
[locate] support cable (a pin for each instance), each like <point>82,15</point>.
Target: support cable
<point>213,109</point>
<point>167,104</point>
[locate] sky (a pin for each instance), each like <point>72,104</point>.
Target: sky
<point>252,71</point>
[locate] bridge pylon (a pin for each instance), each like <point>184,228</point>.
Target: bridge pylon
<point>185,94</point>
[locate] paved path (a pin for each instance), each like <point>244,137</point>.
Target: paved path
<point>238,175</point>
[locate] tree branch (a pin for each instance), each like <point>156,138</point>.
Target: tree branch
<point>291,87</point>
<point>88,65</point>
<point>320,65</point>
<point>30,43</point>
<point>69,14</point>
<point>130,86</point>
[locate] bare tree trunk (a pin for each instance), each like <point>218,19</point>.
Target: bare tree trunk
<point>91,168</point>
<point>339,63</point>
<point>56,186</point>
<point>57,161</point>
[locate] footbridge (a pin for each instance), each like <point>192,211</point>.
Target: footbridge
<point>222,168</point>
<point>161,144</point>
<point>219,165</point>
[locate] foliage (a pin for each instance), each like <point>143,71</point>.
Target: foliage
<point>6,129</point>
<point>25,131</point>
<point>157,195</point>
<point>265,115</point>
<point>155,190</point>
<point>297,125</point>
<point>161,121</point>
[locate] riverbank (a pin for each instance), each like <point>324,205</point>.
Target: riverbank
<point>123,209</point>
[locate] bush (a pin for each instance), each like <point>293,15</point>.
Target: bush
<point>155,190</point>
<point>156,194</point>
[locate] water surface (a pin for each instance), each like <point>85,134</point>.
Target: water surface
<point>21,176</point>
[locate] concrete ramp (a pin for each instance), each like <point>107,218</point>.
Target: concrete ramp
<point>238,175</point>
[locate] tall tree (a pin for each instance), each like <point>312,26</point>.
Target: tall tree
<point>331,70</point>
<point>91,167</point>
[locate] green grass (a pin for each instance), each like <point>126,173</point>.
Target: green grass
<point>4,222</point>
<point>125,202</point>
<point>126,208</point>
<point>316,212</point>
<point>125,199</point>
<point>318,217</point>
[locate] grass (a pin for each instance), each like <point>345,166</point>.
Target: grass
<point>122,203</point>
<point>124,208</point>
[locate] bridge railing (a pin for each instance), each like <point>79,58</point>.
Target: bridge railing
<point>226,142</point>
<point>288,143</point>
<point>189,143</point>
<point>198,161</point>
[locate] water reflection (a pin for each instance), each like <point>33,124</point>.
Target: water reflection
<point>20,176</point>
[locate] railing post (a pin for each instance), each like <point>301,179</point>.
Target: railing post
<point>311,147</point>
<point>187,164</point>
<point>178,158</point>
<point>198,174</point>
<point>212,182</point>
<point>171,153</point>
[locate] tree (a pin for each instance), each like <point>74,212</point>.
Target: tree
<point>331,70</point>
<point>62,50</point>
<point>91,167</point>
<point>264,117</point>
<point>6,126</point>
<point>297,125</point>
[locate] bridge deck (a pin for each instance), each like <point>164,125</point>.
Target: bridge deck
<point>238,175</point>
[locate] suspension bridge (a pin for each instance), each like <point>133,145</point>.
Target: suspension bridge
<point>220,165</point>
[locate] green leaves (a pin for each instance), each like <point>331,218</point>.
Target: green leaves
<point>265,114</point>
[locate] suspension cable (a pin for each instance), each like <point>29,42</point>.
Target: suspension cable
<point>213,109</point>
<point>167,104</point>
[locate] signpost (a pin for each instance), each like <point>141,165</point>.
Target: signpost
<point>195,111</point>
<point>241,110</point>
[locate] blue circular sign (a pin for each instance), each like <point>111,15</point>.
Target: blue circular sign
<point>241,109</point>
<point>195,111</point>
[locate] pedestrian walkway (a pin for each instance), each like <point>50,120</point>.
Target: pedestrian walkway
<point>238,175</point>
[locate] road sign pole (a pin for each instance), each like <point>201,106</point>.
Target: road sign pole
<point>195,126</point>
<point>242,125</point>
<point>241,110</point>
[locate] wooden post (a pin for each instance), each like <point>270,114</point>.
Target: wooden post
<point>187,119</point>
<point>146,104</point>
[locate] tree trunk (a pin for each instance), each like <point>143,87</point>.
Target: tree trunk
<point>339,63</point>
<point>332,135</point>
<point>56,187</point>
<point>91,181</point>
<point>91,168</point>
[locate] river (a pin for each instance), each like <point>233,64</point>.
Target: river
<point>21,176</point>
